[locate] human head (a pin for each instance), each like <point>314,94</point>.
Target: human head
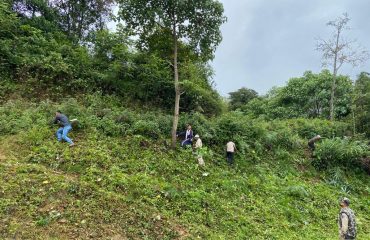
<point>344,202</point>
<point>318,136</point>
<point>189,127</point>
<point>58,112</point>
<point>196,136</point>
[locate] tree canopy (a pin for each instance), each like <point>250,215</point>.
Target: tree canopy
<point>241,97</point>
<point>362,103</point>
<point>193,23</point>
<point>306,96</point>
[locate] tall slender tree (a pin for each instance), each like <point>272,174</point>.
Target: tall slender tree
<point>194,22</point>
<point>337,50</point>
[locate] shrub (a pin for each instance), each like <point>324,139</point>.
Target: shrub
<point>366,164</point>
<point>72,108</point>
<point>235,126</point>
<point>281,135</point>
<point>342,152</point>
<point>126,117</point>
<point>297,191</point>
<point>146,128</point>
<point>6,87</point>
<point>202,126</point>
<point>17,116</point>
<point>110,128</point>
<point>308,128</point>
<point>165,124</point>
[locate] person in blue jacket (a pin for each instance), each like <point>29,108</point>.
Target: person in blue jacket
<point>65,127</point>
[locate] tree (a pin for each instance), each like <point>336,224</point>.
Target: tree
<point>77,18</point>
<point>9,25</point>
<point>337,51</point>
<point>241,97</point>
<point>362,103</point>
<point>195,22</point>
<point>307,96</point>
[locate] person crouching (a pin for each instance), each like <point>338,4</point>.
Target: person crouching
<point>65,127</point>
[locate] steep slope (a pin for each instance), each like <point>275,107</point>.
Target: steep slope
<point>134,187</point>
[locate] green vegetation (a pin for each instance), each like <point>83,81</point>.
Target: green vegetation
<point>198,22</point>
<point>123,180</point>
<point>361,101</point>
<point>241,97</point>
<point>46,63</point>
<point>307,96</point>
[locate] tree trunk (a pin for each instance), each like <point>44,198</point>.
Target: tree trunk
<point>335,70</point>
<point>354,121</point>
<point>177,90</point>
<point>332,97</point>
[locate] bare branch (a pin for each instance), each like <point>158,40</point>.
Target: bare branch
<point>337,51</point>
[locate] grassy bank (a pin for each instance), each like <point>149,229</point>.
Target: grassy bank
<point>121,181</point>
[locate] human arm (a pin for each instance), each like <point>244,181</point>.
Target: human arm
<point>55,121</point>
<point>180,134</point>
<point>190,136</point>
<point>344,228</point>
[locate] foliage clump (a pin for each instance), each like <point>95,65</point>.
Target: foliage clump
<point>131,183</point>
<point>340,152</point>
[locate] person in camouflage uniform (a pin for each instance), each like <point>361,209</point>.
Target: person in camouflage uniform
<point>346,221</point>
<point>312,141</point>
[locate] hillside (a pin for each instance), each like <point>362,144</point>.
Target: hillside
<point>122,181</point>
<point>134,73</point>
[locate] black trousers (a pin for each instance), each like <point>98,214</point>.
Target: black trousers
<point>230,158</point>
<point>311,145</point>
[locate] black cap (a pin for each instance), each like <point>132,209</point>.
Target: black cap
<point>345,200</point>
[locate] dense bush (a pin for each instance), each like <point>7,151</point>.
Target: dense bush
<point>39,59</point>
<point>16,116</point>
<point>307,96</point>
<point>253,137</point>
<point>146,128</point>
<point>340,152</point>
<point>120,159</point>
<point>308,128</point>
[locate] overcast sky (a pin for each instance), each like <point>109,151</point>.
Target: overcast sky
<point>266,42</point>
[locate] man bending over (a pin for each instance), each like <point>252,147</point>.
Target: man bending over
<point>65,127</point>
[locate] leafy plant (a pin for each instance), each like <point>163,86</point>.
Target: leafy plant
<point>340,152</point>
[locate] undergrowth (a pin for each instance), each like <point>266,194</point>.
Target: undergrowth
<point>122,181</point>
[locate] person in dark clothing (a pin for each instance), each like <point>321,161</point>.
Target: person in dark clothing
<point>188,137</point>
<point>65,128</point>
<point>311,142</point>
<point>230,150</point>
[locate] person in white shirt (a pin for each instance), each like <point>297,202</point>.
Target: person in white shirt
<point>230,150</point>
<point>198,147</point>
